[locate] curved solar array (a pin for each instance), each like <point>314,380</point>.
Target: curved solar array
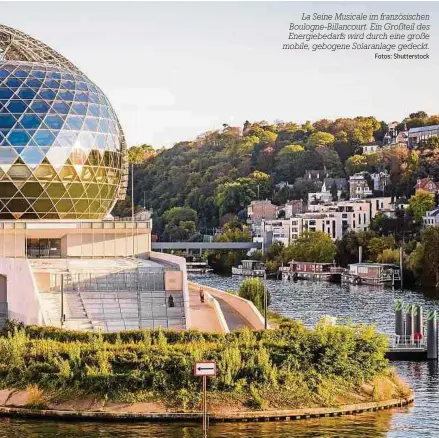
<point>62,150</point>
<point>60,144</point>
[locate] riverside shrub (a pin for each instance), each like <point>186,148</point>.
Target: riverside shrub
<point>290,358</point>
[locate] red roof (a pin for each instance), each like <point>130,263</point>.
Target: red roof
<point>427,184</point>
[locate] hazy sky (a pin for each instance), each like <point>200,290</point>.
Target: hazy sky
<point>175,70</point>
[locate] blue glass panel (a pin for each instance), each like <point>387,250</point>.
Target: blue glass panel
<point>18,138</point>
<point>70,85</point>
<point>81,97</point>
<point>81,86</point>
<point>79,108</point>
<point>100,141</point>
<point>32,155</point>
<point>7,121</point>
<point>103,125</point>
<point>47,94</point>
<point>40,107</point>
<point>27,93</point>
<point>65,95</point>
<point>34,83</point>
<point>30,121</point>
<point>54,75</point>
<point>54,122</point>
<point>4,74</point>
<point>60,108</point>
<point>91,124</point>
<point>19,149</point>
<point>75,122</point>
<point>51,83</point>
<point>44,138</point>
<point>16,106</point>
<point>67,76</point>
<point>38,74</point>
<point>5,93</point>
<point>93,97</point>
<point>93,110</point>
<point>13,83</point>
<point>104,112</point>
<point>21,74</point>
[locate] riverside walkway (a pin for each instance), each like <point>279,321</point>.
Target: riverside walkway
<point>235,320</point>
<point>221,308</point>
<point>203,316</point>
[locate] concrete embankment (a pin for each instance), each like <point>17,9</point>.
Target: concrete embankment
<point>280,415</point>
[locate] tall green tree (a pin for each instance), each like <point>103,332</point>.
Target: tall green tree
<point>312,246</point>
<point>420,203</point>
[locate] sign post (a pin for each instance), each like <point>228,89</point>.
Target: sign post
<point>205,369</point>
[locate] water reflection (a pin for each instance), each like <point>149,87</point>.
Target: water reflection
<point>367,426</point>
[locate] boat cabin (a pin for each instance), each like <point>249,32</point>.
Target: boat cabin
<point>375,272</point>
<point>311,267</point>
<point>252,265</point>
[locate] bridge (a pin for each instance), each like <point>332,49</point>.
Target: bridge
<point>205,246</point>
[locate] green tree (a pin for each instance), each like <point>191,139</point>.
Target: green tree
<point>253,289</point>
<point>312,246</point>
<point>320,139</point>
<point>138,154</point>
<point>421,202</point>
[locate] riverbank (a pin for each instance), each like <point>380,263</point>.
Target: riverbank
<point>151,371</point>
<point>118,412</point>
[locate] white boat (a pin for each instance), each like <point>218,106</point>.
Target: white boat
<point>250,268</point>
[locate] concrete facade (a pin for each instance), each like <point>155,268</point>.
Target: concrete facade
<point>78,238</point>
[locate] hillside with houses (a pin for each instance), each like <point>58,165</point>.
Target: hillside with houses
<point>348,179</point>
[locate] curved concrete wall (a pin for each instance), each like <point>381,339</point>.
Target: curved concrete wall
<point>244,307</point>
<point>22,293</point>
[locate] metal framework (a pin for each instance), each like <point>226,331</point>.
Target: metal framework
<point>18,46</point>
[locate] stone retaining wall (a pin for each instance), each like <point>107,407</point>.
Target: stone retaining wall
<point>282,415</point>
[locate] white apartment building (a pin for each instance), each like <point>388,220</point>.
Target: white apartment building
<point>335,219</point>
<point>431,219</point>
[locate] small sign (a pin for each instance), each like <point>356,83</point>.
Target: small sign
<point>207,368</point>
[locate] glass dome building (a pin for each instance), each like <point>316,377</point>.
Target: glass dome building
<point>62,150</point>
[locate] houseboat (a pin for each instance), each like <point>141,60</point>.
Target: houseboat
<point>250,268</point>
<point>311,271</point>
<point>372,273</point>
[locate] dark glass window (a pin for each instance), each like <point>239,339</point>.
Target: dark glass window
<point>7,121</point>
<point>53,122</point>
<point>61,108</point>
<point>5,93</point>
<point>26,93</point>
<point>18,138</point>
<point>13,83</point>
<point>16,106</point>
<point>47,94</point>
<point>40,107</point>
<point>30,121</point>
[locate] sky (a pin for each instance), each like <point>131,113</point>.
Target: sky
<point>175,70</point>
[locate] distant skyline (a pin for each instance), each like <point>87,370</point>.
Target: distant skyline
<point>175,70</point>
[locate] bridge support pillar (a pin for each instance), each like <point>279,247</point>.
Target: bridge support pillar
<point>399,320</point>
<point>409,320</point>
<point>432,334</point>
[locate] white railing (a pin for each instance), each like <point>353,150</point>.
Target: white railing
<point>408,342</point>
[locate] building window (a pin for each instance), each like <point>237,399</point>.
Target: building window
<point>43,248</point>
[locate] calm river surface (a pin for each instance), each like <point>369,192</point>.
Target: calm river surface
<point>307,301</point>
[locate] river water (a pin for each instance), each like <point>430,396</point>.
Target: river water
<point>307,301</point>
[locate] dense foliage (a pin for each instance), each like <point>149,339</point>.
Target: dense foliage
<point>293,360</point>
<point>220,173</point>
<point>253,289</point>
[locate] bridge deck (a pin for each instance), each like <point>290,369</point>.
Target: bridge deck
<point>234,320</point>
